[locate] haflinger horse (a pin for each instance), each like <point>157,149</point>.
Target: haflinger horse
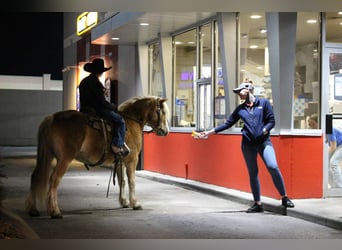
<point>68,135</point>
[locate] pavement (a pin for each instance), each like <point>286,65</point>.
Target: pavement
<point>323,211</point>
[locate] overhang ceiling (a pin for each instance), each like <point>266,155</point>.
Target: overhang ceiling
<point>126,26</point>
<point>131,32</point>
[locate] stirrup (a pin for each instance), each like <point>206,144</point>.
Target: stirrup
<point>123,152</point>
<point>127,148</point>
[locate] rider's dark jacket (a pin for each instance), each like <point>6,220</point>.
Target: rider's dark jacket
<point>92,95</point>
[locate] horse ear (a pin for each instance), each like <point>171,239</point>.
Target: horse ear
<point>163,100</point>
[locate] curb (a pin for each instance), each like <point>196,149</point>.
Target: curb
<point>271,205</point>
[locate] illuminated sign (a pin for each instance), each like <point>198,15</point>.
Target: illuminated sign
<point>85,22</point>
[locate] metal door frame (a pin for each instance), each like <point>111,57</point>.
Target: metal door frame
<point>325,91</point>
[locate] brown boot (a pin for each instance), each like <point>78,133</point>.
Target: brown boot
<point>122,151</point>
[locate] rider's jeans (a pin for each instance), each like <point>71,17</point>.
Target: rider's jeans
<point>119,126</point>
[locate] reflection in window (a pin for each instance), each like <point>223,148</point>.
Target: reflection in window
<point>155,73</point>
<point>306,79</point>
<point>333,24</point>
<point>254,56</point>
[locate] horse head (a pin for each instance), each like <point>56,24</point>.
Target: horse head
<point>152,111</point>
<point>159,121</point>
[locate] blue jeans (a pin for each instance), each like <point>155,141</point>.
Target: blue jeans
<point>266,151</point>
<point>335,175</point>
<point>119,126</point>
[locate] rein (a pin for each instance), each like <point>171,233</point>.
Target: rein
<point>132,118</point>
<point>142,123</point>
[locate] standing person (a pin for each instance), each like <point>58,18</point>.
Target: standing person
<point>313,121</point>
<point>258,118</point>
<point>92,97</point>
<point>335,155</point>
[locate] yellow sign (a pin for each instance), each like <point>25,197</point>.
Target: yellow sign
<point>85,22</point>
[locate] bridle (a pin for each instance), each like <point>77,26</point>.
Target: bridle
<point>142,123</point>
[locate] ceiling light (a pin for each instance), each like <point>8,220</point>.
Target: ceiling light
<point>255,16</point>
<point>253,46</point>
<point>115,38</point>
<point>311,21</point>
<point>340,13</point>
<point>144,24</point>
<point>263,31</point>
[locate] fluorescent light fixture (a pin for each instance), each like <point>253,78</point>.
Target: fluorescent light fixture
<point>115,38</point>
<point>255,16</point>
<point>253,46</point>
<point>311,21</point>
<point>144,24</point>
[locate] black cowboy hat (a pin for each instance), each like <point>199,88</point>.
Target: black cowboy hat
<point>96,66</point>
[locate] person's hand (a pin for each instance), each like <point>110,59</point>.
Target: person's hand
<point>203,134</point>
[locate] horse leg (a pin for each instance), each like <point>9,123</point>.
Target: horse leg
<point>122,183</point>
<point>56,177</point>
<point>130,171</point>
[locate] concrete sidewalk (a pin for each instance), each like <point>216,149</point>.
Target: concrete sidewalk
<point>327,211</point>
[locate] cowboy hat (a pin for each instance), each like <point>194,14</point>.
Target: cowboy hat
<point>96,66</point>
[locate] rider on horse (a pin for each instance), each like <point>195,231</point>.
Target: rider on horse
<point>92,97</point>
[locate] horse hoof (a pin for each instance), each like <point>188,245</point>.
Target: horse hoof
<point>125,206</point>
<point>34,213</point>
<point>56,216</point>
<point>139,207</point>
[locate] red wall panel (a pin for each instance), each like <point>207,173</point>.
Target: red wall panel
<point>218,160</point>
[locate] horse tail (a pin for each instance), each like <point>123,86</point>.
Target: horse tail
<point>41,173</point>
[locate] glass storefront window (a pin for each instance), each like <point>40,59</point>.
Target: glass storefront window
<point>206,49</point>
<point>333,25</point>
<point>220,102</point>
<point>155,73</point>
<point>185,63</point>
<point>335,107</point>
<point>254,57</point>
<point>306,80</point>
<point>194,58</point>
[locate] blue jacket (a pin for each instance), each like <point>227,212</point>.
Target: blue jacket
<point>335,136</point>
<point>255,119</point>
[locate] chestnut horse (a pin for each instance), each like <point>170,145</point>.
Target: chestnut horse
<point>68,135</point>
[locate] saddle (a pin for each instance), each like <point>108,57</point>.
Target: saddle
<point>99,123</point>
<point>96,122</point>
<point>103,125</point>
